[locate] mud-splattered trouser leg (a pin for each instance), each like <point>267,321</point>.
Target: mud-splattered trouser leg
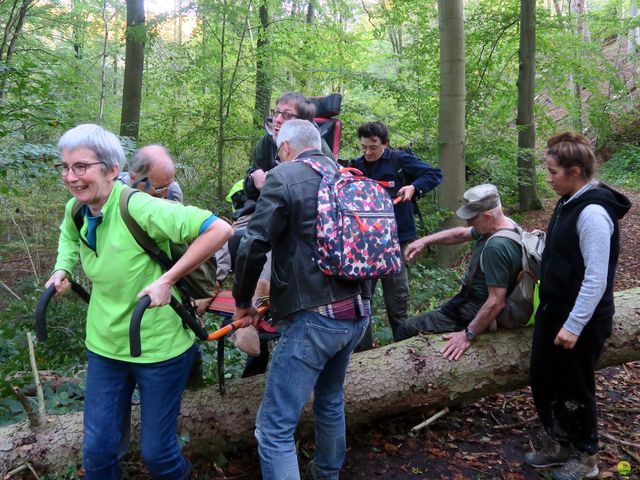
<point>563,382</point>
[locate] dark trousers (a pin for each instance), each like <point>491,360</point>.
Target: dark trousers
<point>452,316</point>
<point>563,381</point>
<point>395,290</point>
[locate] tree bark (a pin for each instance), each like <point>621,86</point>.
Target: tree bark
<point>103,69</point>
<point>401,377</point>
<point>525,121</point>
<point>451,130</point>
<point>133,70</point>
<point>634,33</point>
<point>263,78</point>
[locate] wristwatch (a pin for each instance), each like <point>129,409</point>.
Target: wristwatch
<point>470,335</point>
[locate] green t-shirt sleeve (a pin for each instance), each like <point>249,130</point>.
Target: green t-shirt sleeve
<point>166,220</point>
<point>501,262</point>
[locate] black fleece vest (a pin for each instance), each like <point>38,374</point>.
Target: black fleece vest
<point>562,270</point>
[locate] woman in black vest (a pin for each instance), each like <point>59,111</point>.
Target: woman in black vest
<point>576,307</point>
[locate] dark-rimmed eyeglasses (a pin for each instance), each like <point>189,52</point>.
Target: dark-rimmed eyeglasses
<point>285,115</point>
<point>78,169</point>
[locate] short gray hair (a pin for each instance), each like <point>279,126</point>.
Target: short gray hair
<point>141,162</point>
<point>105,145</point>
<point>300,135</point>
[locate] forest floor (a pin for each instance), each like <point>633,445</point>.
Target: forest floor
<point>487,439</point>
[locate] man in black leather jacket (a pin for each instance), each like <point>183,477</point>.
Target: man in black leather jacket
<point>320,318</point>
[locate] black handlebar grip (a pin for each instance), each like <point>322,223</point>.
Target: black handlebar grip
<point>41,313</point>
<point>41,309</point>
<point>134,327</point>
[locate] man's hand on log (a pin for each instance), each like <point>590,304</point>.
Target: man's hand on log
<point>456,345</point>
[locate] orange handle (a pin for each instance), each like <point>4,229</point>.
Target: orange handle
<point>227,329</point>
<point>218,334</point>
<point>398,199</point>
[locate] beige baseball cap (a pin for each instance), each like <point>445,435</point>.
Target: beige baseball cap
<point>478,199</point>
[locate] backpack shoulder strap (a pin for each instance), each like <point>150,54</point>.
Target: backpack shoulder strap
<point>140,236</point>
<point>320,169</point>
<point>76,214</point>
<point>514,234</point>
<point>326,126</point>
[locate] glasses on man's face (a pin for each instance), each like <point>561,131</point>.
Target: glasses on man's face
<point>149,188</point>
<point>370,148</point>
<point>285,115</point>
<point>78,169</point>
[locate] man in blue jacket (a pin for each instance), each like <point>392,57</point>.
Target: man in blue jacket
<point>409,178</point>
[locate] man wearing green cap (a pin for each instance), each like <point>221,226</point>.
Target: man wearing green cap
<point>486,281</point>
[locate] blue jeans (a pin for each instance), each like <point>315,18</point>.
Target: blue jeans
<point>312,355</point>
<point>107,408</point>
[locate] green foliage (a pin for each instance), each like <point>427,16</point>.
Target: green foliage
<point>623,168</point>
<point>63,353</point>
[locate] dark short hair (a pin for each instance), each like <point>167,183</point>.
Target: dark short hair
<point>374,129</point>
<point>306,109</point>
<point>570,149</point>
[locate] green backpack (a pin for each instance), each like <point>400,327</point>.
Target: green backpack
<point>201,283</point>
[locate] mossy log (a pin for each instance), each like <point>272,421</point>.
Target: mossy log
<point>386,381</point>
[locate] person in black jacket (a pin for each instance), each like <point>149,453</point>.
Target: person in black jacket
<point>408,177</point>
<point>289,106</point>
<point>320,318</point>
<point>576,308</point>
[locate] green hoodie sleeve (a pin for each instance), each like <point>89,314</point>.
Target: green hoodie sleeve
<point>68,242</point>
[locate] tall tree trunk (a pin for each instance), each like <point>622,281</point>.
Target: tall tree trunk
<point>559,6</point>
<point>401,377</point>
<point>103,69</point>
<point>582,27</point>
<point>525,121</point>
<point>11,33</point>
<point>263,78</point>
<point>133,69</point>
<point>177,22</point>
<point>581,18</point>
<point>451,129</point>
<point>221,119</point>
<point>634,33</point>
<point>311,11</point>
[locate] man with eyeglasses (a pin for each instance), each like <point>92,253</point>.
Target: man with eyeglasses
<point>409,178</point>
<point>151,170</point>
<point>290,105</point>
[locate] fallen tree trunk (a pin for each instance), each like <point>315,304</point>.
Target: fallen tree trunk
<point>390,380</point>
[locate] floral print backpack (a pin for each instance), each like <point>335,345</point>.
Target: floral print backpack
<point>357,237</point>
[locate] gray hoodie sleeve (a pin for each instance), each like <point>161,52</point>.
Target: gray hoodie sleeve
<point>594,230</point>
